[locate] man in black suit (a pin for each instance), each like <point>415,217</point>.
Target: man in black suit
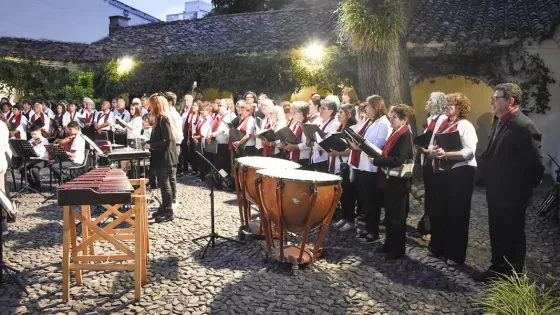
<point>513,166</point>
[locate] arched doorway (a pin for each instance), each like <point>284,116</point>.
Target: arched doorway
<point>479,94</point>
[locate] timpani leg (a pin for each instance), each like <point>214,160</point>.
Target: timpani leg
<point>326,222</point>
<point>138,252</point>
<point>66,254</point>
<point>74,243</point>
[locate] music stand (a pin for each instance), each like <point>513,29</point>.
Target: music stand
<point>26,152</point>
<point>213,235</point>
<point>10,272</point>
<point>59,155</point>
<point>96,149</point>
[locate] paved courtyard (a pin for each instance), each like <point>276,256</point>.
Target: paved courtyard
<point>237,279</point>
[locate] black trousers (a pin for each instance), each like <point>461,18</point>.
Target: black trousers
<point>56,168</point>
<point>193,156</point>
<point>249,151</point>
<point>451,213</point>
<point>222,159</point>
<point>370,198</point>
<point>395,203</point>
<point>348,200</point>
<point>507,238</point>
<point>163,175</point>
<point>204,168</point>
<point>428,175</point>
<point>173,182</point>
<point>321,166</point>
<point>183,165</point>
<point>34,168</point>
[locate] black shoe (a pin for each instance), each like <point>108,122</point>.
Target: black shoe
<point>370,239</point>
<point>487,276</point>
<point>392,257</point>
<point>166,216</point>
<point>160,211</point>
<point>380,249</point>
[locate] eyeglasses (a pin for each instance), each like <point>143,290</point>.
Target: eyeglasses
<point>449,104</point>
<point>495,98</point>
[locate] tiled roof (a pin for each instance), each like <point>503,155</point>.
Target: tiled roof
<point>477,20</point>
<point>433,20</point>
<point>235,33</point>
<point>40,49</point>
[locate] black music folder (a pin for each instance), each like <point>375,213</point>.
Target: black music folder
<point>267,134</point>
<point>449,142</point>
<point>423,140</point>
<point>236,134</point>
<point>310,129</point>
<point>367,147</point>
<point>211,147</point>
<point>334,142</point>
<point>286,135</point>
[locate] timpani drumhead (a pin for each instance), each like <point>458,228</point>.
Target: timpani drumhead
<point>261,162</point>
<point>321,179</point>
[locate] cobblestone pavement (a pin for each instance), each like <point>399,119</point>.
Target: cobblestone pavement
<point>236,279</point>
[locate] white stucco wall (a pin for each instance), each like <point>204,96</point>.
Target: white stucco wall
<point>549,123</point>
<point>83,21</point>
<point>134,19</point>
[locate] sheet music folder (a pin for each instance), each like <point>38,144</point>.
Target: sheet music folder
<point>236,135</point>
<point>286,135</point>
<point>449,142</point>
<point>310,129</point>
<point>334,142</point>
<point>367,147</point>
<point>423,140</point>
<point>267,134</point>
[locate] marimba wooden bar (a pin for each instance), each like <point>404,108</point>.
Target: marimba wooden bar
<point>111,189</point>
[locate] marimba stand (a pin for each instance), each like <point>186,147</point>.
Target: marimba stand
<point>78,256</point>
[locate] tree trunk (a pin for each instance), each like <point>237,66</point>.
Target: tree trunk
<point>385,73</point>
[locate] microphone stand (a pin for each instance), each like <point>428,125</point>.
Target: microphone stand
<point>213,235</point>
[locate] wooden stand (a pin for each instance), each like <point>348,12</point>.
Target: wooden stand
<point>83,254</point>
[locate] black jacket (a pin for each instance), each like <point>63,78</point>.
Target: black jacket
<point>513,163</point>
<point>162,148</point>
<point>397,156</point>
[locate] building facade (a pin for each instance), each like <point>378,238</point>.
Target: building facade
<point>76,21</point>
<point>193,10</point>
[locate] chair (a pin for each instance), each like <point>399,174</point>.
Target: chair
<point>104,145</point>
<point>84,168</point>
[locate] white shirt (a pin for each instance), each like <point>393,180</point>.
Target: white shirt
<point>79,146</point>
<point>100,119</point>
<point>316,119</point>
<point>40,149</point>
<point>136,130</point>
<point>49,113</point>
<point>441,119</point>
<point>258,141</point>
<point>377,133</point>
<point>66,119</point>
<point>4,147</point>
<point>469,139</point>
<point>144,111</point>
<point>205,129</point>
<point>176,123</point>
<point>47,121</point>
<point>222,134</point>
<point>319,155</point>
<point>22,128</point>
<point>250,130</point>
<point>85,115</point>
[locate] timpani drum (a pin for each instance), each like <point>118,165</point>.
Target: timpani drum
<point>294,201</point>
<point>245,169</point>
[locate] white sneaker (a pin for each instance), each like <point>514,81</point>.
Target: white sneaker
<point>340,223</point>
<point>174,205</point>
<point>347,227</point>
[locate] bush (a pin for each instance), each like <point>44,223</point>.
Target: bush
<point>518,295</point>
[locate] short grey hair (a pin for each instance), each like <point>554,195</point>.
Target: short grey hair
<point>88,100</point>
<point>279,112</point>
<point>438,103</point>
<point>335,99</point>
<point>300,106</point>
<point>330,104</point>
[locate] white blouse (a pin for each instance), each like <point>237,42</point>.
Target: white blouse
<point>319,155</point>
<point>377,134</point>
<point>136,130</point>
<point>469,139</point>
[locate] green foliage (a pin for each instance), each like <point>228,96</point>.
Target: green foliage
<point>236,6</point>
<point>518,295</point>
<point>368,25</point>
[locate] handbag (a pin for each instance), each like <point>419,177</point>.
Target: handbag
<point>403,171</point>
<point>211,147</point>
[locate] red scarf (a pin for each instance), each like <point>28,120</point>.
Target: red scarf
<point>217,123</point>
<point>332,162</point>
<point>313,117</point>
<point>243,125</point>
<point>392,139</point>
<point>294,155</point>
<point>199,126</point>
<point>355,154</point>
<point>89,117</point>
<point>432,124</point>
<point>106,115</point>
<point>43,132</point>
<point>72,117</point>
<point>9,115</point>
<point>17,120</point>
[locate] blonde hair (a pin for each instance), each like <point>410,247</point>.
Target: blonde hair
<point>461,101</point>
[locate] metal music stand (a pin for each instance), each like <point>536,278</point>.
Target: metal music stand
<point>213,235</point>
<point>59,155</point>
<point>27,153</point>
<point>6,203</point>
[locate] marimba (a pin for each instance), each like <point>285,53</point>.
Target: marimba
<point>111,189</point>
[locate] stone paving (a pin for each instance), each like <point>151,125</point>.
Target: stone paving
<point>237,279</point>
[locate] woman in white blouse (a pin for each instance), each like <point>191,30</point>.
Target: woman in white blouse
<point>5,151</point>
<point>277,121</point>
<point>134,126</point>
<point>453,184</point>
